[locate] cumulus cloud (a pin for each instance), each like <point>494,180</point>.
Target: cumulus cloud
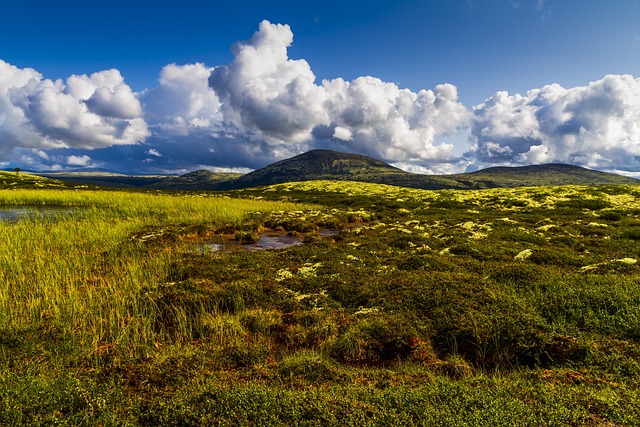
<point>182,103</point>
<point>597,125</point>
<point>262,107</point>
<point>392,123</point>
<point>275,99</point>
<point>343,134</point>
<point>84,112</point>
<point>272,97</point>
<point>79,160</point>
<point>14,129</point>
<point>265,106</point>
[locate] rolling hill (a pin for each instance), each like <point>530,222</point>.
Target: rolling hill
<point>332,165</point>
<point>26,180</point>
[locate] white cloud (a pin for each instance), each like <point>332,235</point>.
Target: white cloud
<point>78,160</point>
<point>265,106</point>
<point>343,134</point>
<point>182,103</point>
<point>263,92</point>
<point>396,124</point>
<point>85,112</point>
<point>597,125</point>
<point>261,107</point>
<point>271,98</point>
<point>14,129</point>
<point>88,112</point>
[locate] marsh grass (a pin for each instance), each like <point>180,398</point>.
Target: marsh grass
<point>83,276</point>
<point>487,307</point>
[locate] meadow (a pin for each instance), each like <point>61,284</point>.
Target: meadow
<point>471,308</point>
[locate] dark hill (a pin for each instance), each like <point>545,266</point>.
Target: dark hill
<point>535,175</point>
<point>332,165</point>
<point>197,180</point>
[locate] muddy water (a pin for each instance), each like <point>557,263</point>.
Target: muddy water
<point>267,241</point>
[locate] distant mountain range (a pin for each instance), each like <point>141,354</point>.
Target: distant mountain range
<point>332,165</point>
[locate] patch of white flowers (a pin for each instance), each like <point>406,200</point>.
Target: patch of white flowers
<point>523,255</point>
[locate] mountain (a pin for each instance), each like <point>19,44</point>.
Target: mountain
<point>535,175</point>
<point>197,180</point>
<point>332,165</point>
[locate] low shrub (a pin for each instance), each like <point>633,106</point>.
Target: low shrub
<point>455,366</point>
<point>518,274</point>
<point>373,339</point>
<point>308,365</point>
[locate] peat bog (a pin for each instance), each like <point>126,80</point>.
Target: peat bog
<point>476,307</point>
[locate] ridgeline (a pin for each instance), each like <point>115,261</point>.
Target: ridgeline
<point>332,165</point>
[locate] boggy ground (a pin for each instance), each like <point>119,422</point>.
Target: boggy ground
<point>488,307</point>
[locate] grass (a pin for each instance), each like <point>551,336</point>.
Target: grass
<point>485,307</point>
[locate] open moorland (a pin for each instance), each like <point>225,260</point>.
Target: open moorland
<point>399,306</point>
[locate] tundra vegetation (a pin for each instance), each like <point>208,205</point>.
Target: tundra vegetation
<point>476,307</point>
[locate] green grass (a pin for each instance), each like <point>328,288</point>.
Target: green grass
<point>485,307</point>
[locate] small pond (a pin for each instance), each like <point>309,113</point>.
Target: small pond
<point>14,213</point>
<point>270,240</point>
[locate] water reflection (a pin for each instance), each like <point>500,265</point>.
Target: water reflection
<point>16,212</point>
<point>267,241</point>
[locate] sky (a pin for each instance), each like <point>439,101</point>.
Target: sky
<point>168,87</point>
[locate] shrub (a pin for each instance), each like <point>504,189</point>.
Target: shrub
<point>373,339</point>
<point>455,366</point>
<point>631,233</point>
<point>583,204</point>
<point>611,215</point>
<point>407,242</point>
<point>244,355</point>
<point>468,249</point>
<point>427,263</point>
<point>560,258</point>
<point>312,237</point>
<point>518,274</point>
<point>309,329</point>
<point>308,365</point>
<point>223,329</point>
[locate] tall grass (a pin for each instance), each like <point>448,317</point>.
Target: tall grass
<point>183,208</point>
<point>79,277</point>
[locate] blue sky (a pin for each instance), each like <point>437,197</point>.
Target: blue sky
<point>463,54</point>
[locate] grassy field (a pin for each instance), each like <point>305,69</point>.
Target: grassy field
<point>472,308</point>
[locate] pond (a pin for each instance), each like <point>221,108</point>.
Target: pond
<point>14,213</point>
<point>270,240</point>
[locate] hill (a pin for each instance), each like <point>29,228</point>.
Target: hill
<point>535,175</point>
<point>198,180</point>
<point>25,180</point>
<point>106,179</point>
<point>332,165</point>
